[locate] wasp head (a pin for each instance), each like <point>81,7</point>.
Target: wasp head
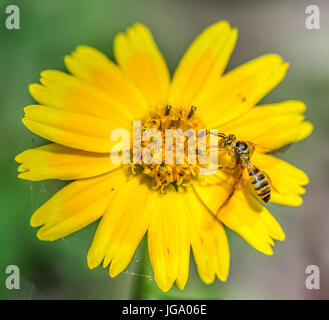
<point>227,142</point>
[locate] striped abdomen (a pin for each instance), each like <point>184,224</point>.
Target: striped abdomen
<point>260,183</point>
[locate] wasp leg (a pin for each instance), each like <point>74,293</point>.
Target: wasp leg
<point>252,147</point>
<point>235,186</point>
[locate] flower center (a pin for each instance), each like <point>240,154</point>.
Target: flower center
<point>169,146</point>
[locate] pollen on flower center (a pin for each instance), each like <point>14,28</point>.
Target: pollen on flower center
<point>171,122</point>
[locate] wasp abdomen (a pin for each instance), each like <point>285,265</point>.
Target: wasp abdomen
<point>260,183</point>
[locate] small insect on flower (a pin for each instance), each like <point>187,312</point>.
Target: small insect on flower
<point>172,202</point>
<point>240,153</point>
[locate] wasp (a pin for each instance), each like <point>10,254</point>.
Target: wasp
<point>240,153</point>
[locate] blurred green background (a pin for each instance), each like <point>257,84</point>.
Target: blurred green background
<point>52,29</point>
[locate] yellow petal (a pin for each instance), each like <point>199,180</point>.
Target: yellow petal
<point>240,89</point>
<point>123,226</point>
<point>273,227</point>
<point>54,161</point>
<point>169,241</point>
<point>286,179</point>
<point>94,67</point>
<point>77,205</point>
<point>255,216</point>
<point>130,228</point>
<point>63,91</point>
<point>71,129</point>
<point>271,126</point>
<point>209,241</point>
<point>142,62</point>
<point>198,72</point>
<point>242,214</point>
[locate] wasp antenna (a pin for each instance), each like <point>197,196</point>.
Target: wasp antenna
<point>218,134</point>
<point>203,133</point>
<point>222,135</point>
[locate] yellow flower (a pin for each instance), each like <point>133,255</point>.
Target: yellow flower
<point>78,112</point>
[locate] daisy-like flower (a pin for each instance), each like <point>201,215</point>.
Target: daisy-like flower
<point>171,203</point>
